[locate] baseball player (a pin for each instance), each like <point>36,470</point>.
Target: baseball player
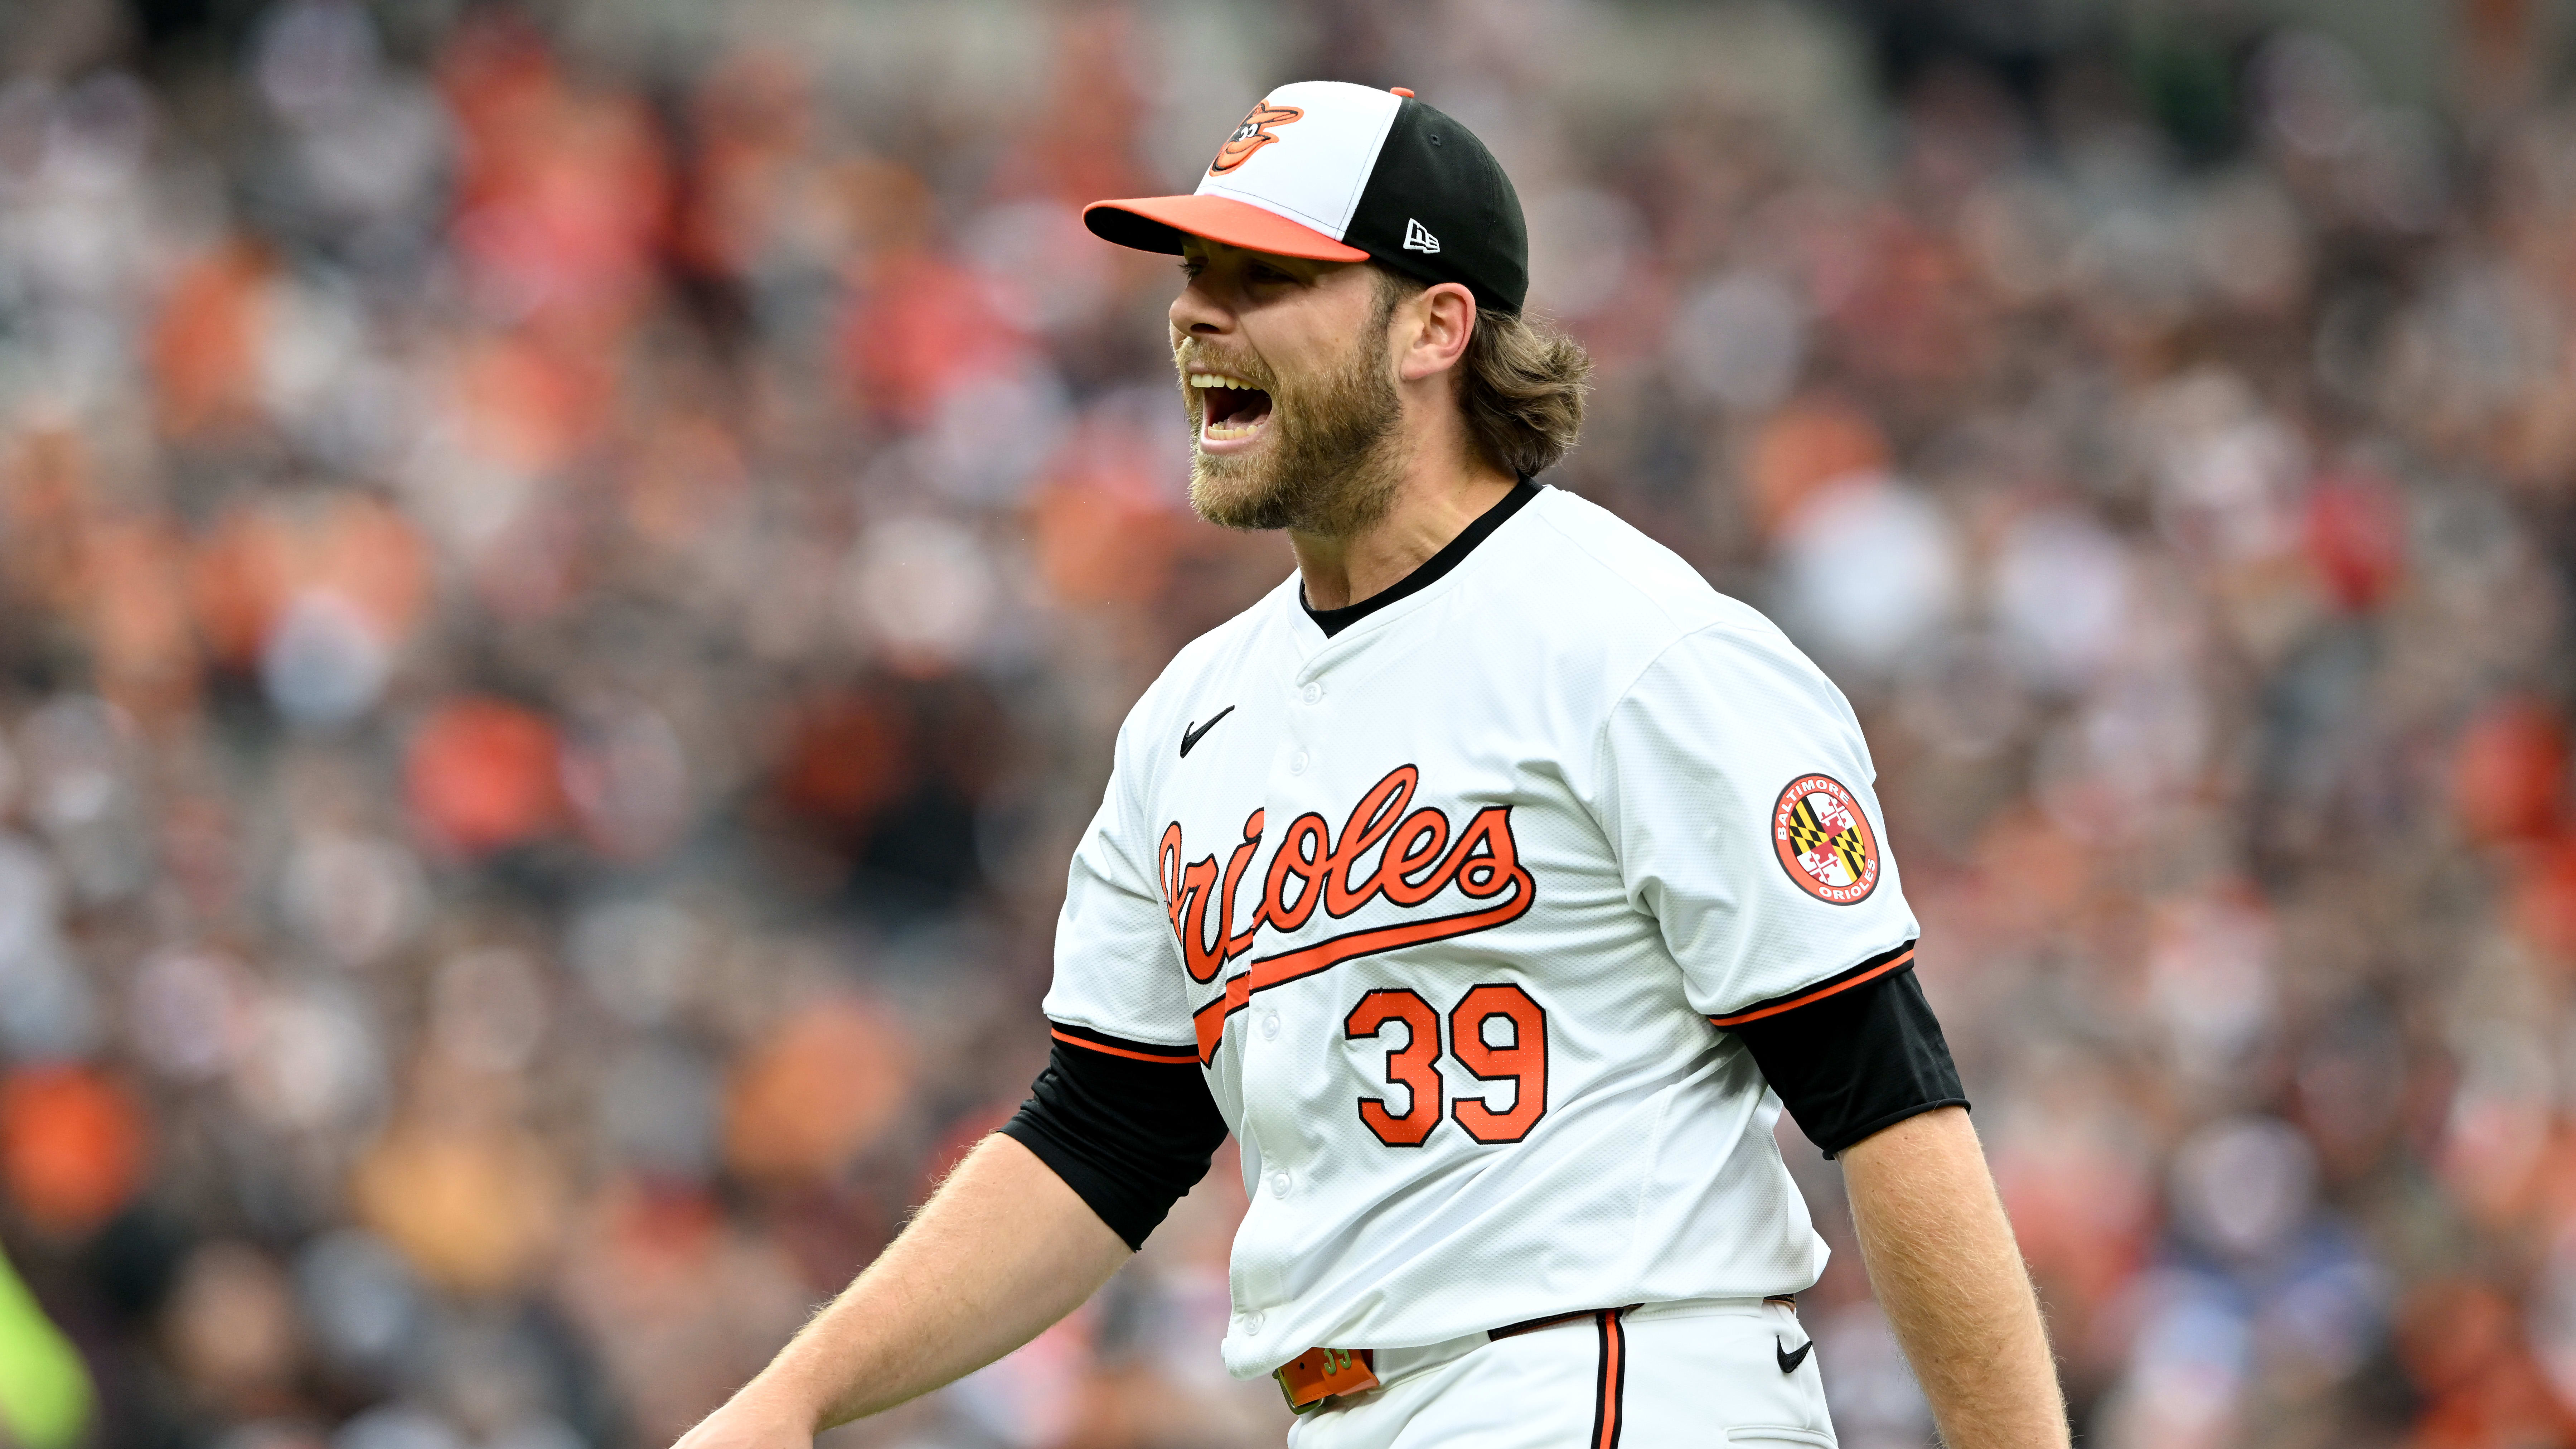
<point>1494,882</point>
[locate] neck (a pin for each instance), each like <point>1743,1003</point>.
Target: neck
<point>1433,503</point>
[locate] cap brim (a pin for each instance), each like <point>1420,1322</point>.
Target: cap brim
<point>1158,223</point>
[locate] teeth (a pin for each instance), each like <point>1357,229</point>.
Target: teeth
<point>1220,432</point>
<point>1219,379</point>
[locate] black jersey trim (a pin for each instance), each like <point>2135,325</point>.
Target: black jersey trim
<point>1430,571</point>
<point>1869,970</point>
<point>1119,1046</point>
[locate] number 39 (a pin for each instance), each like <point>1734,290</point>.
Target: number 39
<point>1522,1060</point>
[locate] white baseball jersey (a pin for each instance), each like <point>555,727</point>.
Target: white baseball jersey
<point>1451,907</point>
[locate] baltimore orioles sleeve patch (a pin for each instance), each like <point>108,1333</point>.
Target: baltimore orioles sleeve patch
<point>1824,841</point>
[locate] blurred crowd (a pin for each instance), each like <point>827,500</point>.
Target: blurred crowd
<point>570,573</point>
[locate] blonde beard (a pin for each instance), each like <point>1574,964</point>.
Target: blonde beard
<point>1334,461</point>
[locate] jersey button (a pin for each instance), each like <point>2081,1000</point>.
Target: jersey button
<point>1313,692</point>
<point>1279,1184</point>
<point>1252,1322</point>
<point>1270,1023</point>
<point>1297,763</point>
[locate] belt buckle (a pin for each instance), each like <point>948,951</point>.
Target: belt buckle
<point>1310,1378</point>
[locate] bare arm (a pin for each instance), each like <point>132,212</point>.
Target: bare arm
<point>1941,1255</point>
<point>1001,1250</point>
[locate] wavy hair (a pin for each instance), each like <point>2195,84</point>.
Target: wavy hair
<point>1521,384</point>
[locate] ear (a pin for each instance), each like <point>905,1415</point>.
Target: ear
<point>1432,330</point>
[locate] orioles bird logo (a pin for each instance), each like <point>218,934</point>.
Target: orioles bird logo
<point>1251,136</point>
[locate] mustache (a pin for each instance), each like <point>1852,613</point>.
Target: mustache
<point>1187,360</point>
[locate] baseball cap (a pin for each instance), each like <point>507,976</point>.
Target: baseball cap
<point>1348,173</point>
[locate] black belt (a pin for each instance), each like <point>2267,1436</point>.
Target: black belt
<point>1533,1325</point>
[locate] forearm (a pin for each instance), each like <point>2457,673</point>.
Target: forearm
<point>1941,1256</point>
<point>1002,1250</point>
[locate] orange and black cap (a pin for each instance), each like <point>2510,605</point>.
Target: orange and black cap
<point>1340,172</point>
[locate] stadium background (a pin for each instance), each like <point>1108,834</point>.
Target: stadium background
<point>569,575</point>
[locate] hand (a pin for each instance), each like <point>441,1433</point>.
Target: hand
<point>759,1417</point>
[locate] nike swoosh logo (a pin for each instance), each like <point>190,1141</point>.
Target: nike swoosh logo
<point>1190,737</point>
<point>1789,1361</point>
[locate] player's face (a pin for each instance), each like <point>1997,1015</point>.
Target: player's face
<point>1290,390</point>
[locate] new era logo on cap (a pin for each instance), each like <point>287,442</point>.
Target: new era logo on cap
<point>1347,173</point>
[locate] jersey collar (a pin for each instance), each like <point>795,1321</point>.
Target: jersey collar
<point>1430,571</point>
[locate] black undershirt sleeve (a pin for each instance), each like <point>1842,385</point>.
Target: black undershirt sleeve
<point>1129,1136</point>
<point>1858,1061</point>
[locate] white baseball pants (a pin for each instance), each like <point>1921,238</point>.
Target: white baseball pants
<point>1706,1372</point>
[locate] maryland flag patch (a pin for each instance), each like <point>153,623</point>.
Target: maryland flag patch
<point>1824,841</point>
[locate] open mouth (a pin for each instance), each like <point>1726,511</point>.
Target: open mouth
<point>1230,409</point>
